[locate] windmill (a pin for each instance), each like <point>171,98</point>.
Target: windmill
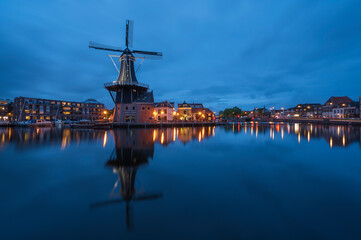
<point>126,89</point>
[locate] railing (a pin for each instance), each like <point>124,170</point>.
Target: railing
<point>115,83</point>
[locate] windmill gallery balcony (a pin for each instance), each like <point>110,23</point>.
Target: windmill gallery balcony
<point>115,84</point>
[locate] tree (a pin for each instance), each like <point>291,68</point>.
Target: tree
<point>231,112</point>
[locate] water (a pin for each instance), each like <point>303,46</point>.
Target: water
<point>253,181</point>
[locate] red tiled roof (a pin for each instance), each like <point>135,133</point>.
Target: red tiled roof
<point>338,100</point>
<point>164,104</point>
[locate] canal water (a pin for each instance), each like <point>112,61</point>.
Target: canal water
<point>241,181</point>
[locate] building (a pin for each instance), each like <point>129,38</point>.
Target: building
<point>360,106</point>
<point>164,111</point>
<point>260,113</point>
<point>36,108</point>
<point>184,112</point>
<point>307,110</point>
<point>340,107</point>
<point>194,112</point>
<point>6,110</point>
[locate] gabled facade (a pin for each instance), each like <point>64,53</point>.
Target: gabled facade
<point>164,111</point>
<point>194,112</point>
<point>184,112</point>
<point>340,107</point>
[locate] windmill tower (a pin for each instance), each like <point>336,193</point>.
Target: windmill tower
<point>129,95</point>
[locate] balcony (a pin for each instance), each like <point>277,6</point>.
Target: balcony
<point>115,84</point>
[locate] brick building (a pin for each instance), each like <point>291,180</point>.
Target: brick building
<point>36,108</point>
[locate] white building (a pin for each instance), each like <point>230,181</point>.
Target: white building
<point>164,111</point>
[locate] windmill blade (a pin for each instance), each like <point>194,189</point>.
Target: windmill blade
<point>104,203</point>
<point>104,47</point>
<point>130,30</point>
<point>148,53</point>
<point>148,196</point>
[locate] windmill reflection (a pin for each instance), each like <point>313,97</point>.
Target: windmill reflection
<point>133,149</point>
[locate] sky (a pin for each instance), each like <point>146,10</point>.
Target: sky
<point>247,53</point>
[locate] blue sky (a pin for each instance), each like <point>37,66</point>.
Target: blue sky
<point>222,53</point>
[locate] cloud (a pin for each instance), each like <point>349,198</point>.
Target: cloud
<point>243,53</point>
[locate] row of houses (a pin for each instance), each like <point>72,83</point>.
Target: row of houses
<point>334,107</point>
<point>25,108</point>
<point>186,112</point>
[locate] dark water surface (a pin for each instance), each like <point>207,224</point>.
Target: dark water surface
<point>253,181</point>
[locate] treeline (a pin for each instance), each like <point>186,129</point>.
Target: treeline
<point>232,112</point>
<point>237,112</point>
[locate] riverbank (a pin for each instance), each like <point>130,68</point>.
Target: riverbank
<point>131,125</point>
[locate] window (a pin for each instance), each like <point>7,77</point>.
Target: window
<point>159,111</point>
<point>133,108</point>
<point>126,108</point>
<point>148,108</point>
<point>143,108</point>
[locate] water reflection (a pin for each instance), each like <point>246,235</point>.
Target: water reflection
<point>132,150</point>
<point>255,186</point>
<point>336,136</point>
